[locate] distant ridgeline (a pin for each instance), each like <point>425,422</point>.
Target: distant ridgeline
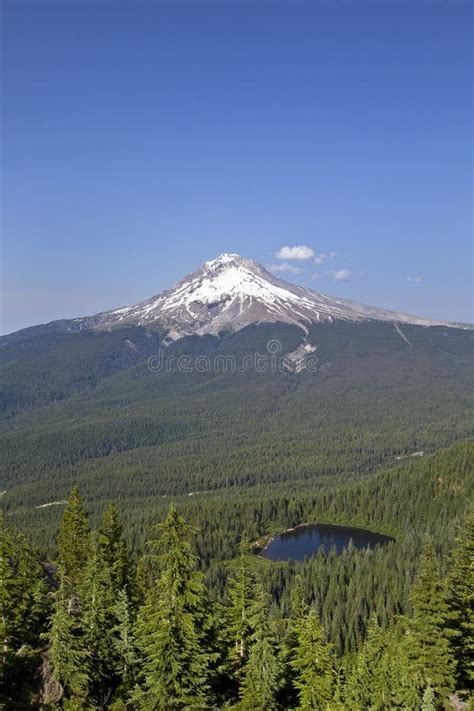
<point>182,627</point>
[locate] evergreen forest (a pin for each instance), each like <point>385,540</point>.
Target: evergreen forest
<point>189,616</point>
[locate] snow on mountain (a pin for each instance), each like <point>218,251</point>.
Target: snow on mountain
<point>229,293</point>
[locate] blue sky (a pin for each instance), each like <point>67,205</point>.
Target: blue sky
<point>142,138</point>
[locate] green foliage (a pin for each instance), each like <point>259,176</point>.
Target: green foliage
<point>428,700</point>
<point>73,539</point>
<point>171,625</point>
<point>68,655</point>
<point>369,678</point>
<point>126,648</point>
<point>313,663</point>
<point>173,433</point>
<point>23,588</point>
<point>430,646</point>
<point>23,610</point>
<point>43,368</point>
<point>382,677</point>
<point>240,594</point>
<point>67,671</point>
<point>113,549</point>
<point>91,639</point>
<point>189,631</point>
<point>262,674</point>
<point>98,595</point>
<point>461,599</point>
<point>238,452</point>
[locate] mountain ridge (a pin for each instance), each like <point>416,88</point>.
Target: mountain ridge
<point>229,293</point>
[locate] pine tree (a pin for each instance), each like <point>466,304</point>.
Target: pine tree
<point>461,601</point>
<point>68,654</point>
<point>172,624</point>
<point>97,596</point>
<point>383,677</point>
<point>313,664</point>
<point>240,591</point>
<point>428,700</point>
<point>298,603</point>
<point>337,702</point>
<point>298,611</point>
<point>137,583</point>
<point>23,610</point>
<point>126,649</point>
<point>405,682</point>
<point>430,640</point>
<point>382,688</point>
<point>113,548</point>
<point>262,672</point>
<point>361,686</point>
<point>7,584</point>
<point>73,539</point>
<point>23,590</point>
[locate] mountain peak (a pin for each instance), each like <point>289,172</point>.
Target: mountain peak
<point>231,292</point>
<point>225,258</point>
<point>229,261</point>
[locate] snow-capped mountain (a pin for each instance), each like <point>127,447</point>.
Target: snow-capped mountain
<point>229,293</point>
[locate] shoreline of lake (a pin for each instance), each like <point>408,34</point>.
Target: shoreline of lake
<point>326,535</point>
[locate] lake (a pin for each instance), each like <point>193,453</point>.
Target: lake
<point>303,541</point>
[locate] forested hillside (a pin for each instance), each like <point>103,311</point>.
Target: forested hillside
<point>392,627</point>
<point>375,436</point>
<point>119,428</point>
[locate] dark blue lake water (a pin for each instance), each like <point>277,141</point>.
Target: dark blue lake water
<point>304,541</point>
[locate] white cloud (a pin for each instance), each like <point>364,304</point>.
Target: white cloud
<point>414,280</point>
<point>285,267</point>
<point>301,251</point>
<point>341,274</point>
<point>321,258</point>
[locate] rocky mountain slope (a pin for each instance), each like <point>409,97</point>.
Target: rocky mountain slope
<point>227,294</point>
